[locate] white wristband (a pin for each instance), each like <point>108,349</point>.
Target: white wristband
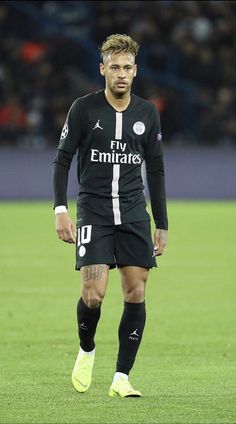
<point>60,209</point>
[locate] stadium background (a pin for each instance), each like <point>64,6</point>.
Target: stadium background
<point>186,66</point>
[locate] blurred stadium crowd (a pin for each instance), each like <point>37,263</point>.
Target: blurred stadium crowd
<point>186,65</point>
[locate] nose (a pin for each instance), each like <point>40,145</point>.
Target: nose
<point>121,74</point>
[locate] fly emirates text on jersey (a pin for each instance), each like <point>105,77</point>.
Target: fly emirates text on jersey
<point>116,156</point>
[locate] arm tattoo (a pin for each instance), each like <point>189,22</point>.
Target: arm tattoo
<point>93,272</point>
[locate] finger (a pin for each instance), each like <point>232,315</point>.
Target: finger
<point>73,232</point>
<point>73,228</point>
<point>70,237</point>
<point>65,235</point>
<point>60,235</point>
<point>158,253</point>
<point>161,249</point>
<point>155,248</point>
<point>69,240</point>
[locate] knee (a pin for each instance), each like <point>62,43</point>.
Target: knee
<point>93,299</point>
<point>135,294</point>
<point>94,302</point>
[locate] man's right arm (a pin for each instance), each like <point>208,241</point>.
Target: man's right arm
<point>64,226</point>
<point>68,144</point>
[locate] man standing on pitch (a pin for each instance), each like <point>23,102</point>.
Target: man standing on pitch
<point>113,132</point>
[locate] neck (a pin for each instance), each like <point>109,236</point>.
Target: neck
<point>118,103</point>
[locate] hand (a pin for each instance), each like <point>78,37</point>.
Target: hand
<point>160,241</point>
<point>65,228</point>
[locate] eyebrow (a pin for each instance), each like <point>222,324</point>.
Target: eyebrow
<point>115,64</point>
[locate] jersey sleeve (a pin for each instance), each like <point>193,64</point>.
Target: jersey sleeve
<point>153,155</point>
<point>72,129</point>
<point>68,144</point>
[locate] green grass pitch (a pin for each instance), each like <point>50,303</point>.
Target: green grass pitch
<point>186,366</point>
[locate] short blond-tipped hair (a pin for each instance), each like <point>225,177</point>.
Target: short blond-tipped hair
<point>117,43</point>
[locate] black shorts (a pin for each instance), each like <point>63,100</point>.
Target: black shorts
<point>115,245</point>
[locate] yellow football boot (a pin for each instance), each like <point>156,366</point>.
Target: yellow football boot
<point>123,388</point>
<point>82,372</point>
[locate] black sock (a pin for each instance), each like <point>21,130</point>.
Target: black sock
<point>87,319</point>
<point>130,334</point>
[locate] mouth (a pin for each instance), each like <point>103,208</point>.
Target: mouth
<point>121,84</point>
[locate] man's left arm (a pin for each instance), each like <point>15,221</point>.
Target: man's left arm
<point>156,184</point>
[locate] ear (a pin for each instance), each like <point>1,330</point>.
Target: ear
<point>102,68</point>
<point>135,71</point>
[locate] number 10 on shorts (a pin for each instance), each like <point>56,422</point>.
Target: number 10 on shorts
<point>84,237</point>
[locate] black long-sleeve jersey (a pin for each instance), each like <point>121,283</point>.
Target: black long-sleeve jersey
<point>111,147</point>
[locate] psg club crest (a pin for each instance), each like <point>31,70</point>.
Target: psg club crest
<point>139,128</point>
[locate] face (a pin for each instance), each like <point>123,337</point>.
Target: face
<point>119,70</point>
